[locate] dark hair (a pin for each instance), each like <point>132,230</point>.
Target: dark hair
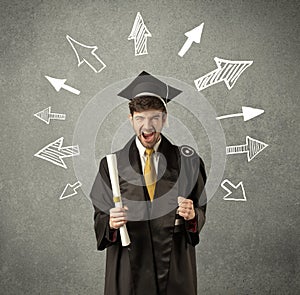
<point>144,103</point>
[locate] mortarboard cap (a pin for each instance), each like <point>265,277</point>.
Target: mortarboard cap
<point>146,84</point>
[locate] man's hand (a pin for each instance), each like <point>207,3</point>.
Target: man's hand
<point>117,217</point>
<point>186,208</point>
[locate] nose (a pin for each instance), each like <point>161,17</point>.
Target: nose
<point>148,124</point>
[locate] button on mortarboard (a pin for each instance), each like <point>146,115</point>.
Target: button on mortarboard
<point>146,84</point>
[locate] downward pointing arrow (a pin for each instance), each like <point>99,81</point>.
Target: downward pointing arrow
<point>86,54</point>
<point>70,190</point>
<point>193,35</point>
<point>236,192</point>
<point>247,112</point>
<point>60,83</point>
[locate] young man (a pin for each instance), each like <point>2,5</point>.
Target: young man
<point>162,187</point>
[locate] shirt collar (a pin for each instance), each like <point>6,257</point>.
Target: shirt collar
<point>142,149</point>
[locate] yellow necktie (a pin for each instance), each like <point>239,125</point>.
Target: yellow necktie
<point>149,173</point>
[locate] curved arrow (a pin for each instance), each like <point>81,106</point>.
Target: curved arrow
<point>247,112</point>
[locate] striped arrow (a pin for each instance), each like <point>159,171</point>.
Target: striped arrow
<point>227,71</point>
<point>70,190</point>
<point>252,148</point>
<point>46,115</point>
<point>54,152</point>
<point>139,34</point>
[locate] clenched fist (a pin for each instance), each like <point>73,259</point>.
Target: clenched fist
<point>117,217</point>
<point>186,208</point>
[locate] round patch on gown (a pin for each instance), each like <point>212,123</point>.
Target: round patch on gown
<point>187,151</point>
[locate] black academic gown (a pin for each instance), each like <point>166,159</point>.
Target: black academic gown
<point>161,257</point>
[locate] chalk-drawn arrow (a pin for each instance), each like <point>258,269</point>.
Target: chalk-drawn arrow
<point>252,148</point>
<point>193,35</point>
<point>227,70</point>
<point>54,152</point>
<point>46,115</point>
<point>60,84</point>
<point>139,33</point>
<point>70,190</point>
<point>236,192</point>
<point>86,54</point>
<point>247,112</point>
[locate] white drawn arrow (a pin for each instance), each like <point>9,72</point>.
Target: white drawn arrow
<point>236,192</point>
<point>139,33</point>
<point>70,190</point>
<point>60,84</point>
<point>54,152</point>
<point>86,53</point>
<point>252,147</point>
<point>193,35</point>
<point>46,115</point>
<point>227,71</point>
<point>247,112</point>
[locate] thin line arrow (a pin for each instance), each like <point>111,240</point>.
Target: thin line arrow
<point>139,33</point>
<point>70,190</point>
<point>227,71</point>
<point>235,191</point>
<point>60,84</point>
<point>54,152</point>
<point>46,115</point>
<point>86,54</point>
<point>193,35</point>
<point>247,112</point>
<point>252,148</point>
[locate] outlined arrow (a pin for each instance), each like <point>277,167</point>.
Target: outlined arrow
<point>193,35</point>
<point>46,115</point>
<point>252,147</point>
<point>60,84</point>
<point>227,70</point>
<point>54,152</point>
<point>139,33</point>
<point>236,192</point>
<point>86,53</point>
<point>70,190</point>
<point>247,112</point>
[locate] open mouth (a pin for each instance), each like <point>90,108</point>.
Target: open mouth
<point>148,136</point>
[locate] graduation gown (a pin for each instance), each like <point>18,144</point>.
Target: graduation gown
<point>161,257</point>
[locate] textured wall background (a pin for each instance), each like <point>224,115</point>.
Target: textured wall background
<point>48,245</point>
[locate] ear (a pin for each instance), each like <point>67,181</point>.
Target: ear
<point>164,118</point>
<point>130,119</point>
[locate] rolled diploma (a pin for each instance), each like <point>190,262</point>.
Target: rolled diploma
<point>114,179</point>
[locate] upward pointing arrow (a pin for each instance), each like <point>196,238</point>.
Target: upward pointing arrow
<point>193,35</point>
<point>86,53</point>
<point>139,33</point>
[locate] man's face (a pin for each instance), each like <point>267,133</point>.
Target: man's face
<point>148,125</point>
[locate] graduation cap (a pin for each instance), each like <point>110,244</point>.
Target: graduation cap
<point>147,85</point>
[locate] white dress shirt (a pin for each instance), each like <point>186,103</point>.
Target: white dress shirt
<point>142,150</point>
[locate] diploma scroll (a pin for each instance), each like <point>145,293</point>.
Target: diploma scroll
<point>114,179</point>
